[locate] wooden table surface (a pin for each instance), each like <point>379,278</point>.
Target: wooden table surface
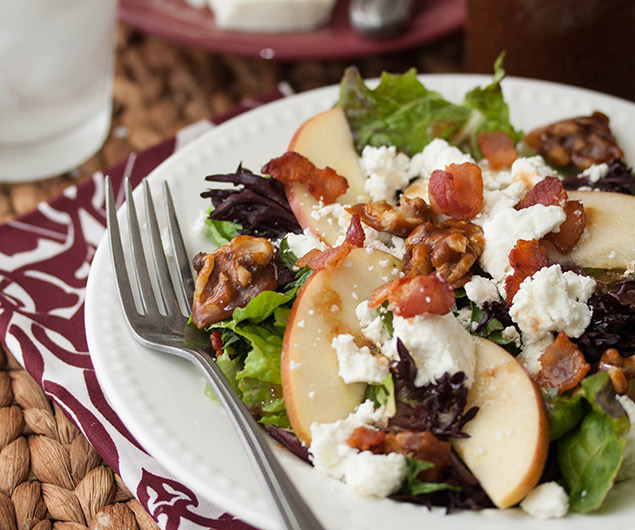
<point>160,87</point>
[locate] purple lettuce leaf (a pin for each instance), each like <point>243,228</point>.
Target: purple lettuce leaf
<point>258,204</point>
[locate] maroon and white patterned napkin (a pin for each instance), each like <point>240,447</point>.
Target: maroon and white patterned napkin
<point>45,257</point>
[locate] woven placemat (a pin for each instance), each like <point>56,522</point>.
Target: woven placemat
<point>50,476</point>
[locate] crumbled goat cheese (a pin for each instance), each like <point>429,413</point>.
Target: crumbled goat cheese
<point>372,325</point>
<point>437,343</point>
<point>552,300</point>
<point>387,171</point>
<point>510,332</point>
<point>358,365</point>
<point>494,179</point>
<point>374,475</point>
<point>596,172</point>
<point>480,290</point>
<point>334,211</point>
<point>627,470</point>
<point>390,244</point>
<point>530,171</point>
<point>438,154</point>
<point>331,454</point>
<point>531,352</point>
<point>507,226</point>
<point>464,316</point>
<point>302,243</point>
<point>199,226</point>
<point>546,501</point>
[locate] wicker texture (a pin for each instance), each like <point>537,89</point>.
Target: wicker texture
<point>50,476</point>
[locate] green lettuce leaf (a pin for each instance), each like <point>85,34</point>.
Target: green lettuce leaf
<point>591,454</point>
<point>413,486</point>
<point>565,412</point>
<point>493,330</point>
<point>252,344</point>
<point>221,232</point>
<point>589,459</point>
<point>402,112</point>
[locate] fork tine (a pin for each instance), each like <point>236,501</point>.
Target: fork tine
<point>186,281</point>
<point>139,260</point>
<point>117,255</point>
<point>166,287</point>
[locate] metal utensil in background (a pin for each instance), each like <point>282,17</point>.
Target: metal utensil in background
<point>379,19</point>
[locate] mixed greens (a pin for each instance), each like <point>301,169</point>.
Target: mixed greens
<point>587,424</point>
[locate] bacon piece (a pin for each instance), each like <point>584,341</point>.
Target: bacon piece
<point>498,148</point>
<point>332,257</point>
<point>571,229</point>
<point>458,191</point>
<point>418,445</point>
<point>397,220</point>
<point>551,192</point>
<point>217,343</point>
<point>563,365</point>
<point>421,445</point>
<point>323,184</point>
<point>412,295</point>
<point>526,258</point>
<point>366,439</point>
<point>548,192</point>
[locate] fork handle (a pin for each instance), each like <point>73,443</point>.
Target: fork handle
<point>292,510</point>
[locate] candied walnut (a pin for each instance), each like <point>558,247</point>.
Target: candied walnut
<point>323,184</point>
<point>621,370</point>
<point>498,148</point>
<point>421,445</point>
<point>458,191</point>
<point>332,257</point>
<point>450,248</point>
<point>563,365</point>
<point>409,296</point>
<point>397,220</point>
<point>526,258</point>
<point>578,142</point>
<point>230,277</point>
<point>550,192</point>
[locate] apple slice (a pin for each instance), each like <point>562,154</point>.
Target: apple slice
<point>325,308</point>
<point>608,242</point>
<point>509,437</point>
<point>326,140</point>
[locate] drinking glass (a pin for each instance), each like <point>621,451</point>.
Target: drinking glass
<point>56,71</point>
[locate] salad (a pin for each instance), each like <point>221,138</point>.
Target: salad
<point>428,304</point>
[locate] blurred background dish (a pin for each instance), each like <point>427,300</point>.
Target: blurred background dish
<point>179,22</point>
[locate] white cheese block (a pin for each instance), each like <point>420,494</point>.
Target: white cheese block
<point>271,16</point>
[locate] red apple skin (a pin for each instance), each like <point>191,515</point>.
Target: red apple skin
<point>509,437</point>
<point>326,140</point>
<point>325,307</point>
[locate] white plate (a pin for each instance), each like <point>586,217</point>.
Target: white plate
<point>161,399</point>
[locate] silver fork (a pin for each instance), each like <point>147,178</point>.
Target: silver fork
<point>160,324</point>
